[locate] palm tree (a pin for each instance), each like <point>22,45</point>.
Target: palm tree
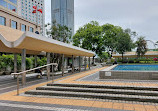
<point>141,44</point>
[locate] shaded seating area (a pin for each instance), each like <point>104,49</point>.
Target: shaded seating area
<point>18,42</point>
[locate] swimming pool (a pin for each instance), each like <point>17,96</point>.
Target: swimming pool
<point>136,68</point>
<point>133,72</point>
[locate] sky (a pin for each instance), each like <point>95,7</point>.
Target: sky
<point>140,16</point>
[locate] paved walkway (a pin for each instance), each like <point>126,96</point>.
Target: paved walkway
<point>76,103</point>
<point>8,83</point>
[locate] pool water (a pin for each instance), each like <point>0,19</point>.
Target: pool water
<point>136,67</point>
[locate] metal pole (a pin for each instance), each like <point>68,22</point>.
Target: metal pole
<point>15,64</point>
<point>62,64</point>
<point>79,63</point>
<point>89,63</point>
<point>17,84</point>
<point>85,61</point>
<point>23,66</point>
<point>35,60</point>
<point>48,67</point>
<point>72,63</point>
<point>52,73</point>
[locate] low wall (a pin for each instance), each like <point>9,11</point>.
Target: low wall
<point>133,75</point>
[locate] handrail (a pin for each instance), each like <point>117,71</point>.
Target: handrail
<point>20,73</point>
<point>33,69</point>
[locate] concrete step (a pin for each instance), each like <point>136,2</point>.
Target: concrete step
<point>136,98</point>
<point>99,90</point>
<point>106,86</point>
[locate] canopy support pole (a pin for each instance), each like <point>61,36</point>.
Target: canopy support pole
<point>72,63</point>
<point>79,63</point>
<point>15,64</point>
<point>63,65</point>
<point>23,66</point>
<point>48,67</point>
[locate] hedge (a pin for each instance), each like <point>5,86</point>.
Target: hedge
<point>7,62</point>
<point>138,60</point>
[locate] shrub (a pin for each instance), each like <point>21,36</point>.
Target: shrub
<point>7,61</point>
<point>142,62</point>
<point>42,61</point>
<point>29,63</point>
<point>112,60</point>
<point>18,62</point>
<point>155,59</point>
<point>131,61</point>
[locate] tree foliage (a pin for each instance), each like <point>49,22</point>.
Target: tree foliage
<point>124,43</point>
<point>7,62</point>
<point>141,45</point>
<point>103,38</point>
<point>58,32</point>
<point>110,35</point>
<point>104,56</point>
<point>89,37</point>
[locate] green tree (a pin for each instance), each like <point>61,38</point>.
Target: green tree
<point>110,34</point>
<point>133,34</point>
<point>58,32</point>
<point>141,45</point>
<point>124,43</point>
<point>90,37</point>
<point>104,56</point>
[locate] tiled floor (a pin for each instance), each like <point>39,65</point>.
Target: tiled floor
<point>11,96</point>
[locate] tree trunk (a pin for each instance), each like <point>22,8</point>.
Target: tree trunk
<point>59,63</point>
<point>111,53</point>
<point>122,57</point>
<point>93,60</point>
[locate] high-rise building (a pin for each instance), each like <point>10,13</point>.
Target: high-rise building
<point>11,5</point>
<point>24,9</point>
<point>63,13</point>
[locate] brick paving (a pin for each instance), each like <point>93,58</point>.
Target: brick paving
<point>108,105</point>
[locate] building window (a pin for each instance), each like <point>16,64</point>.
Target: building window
<point>31,29</point>
<point>23,27</point>
<point>3,3</point>
<point>11,7</point>
<point>13,1</point>
<point>14,24</point>
<point>2,21</point>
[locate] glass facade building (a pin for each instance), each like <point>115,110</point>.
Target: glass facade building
<point>23,27</point>
<point>9,4</point>
<point>31,29</point>
<point>3,3</point>
<point>2,21</point>
<point>24,8</point>
<point>63,13</point>
<point>14,24</point>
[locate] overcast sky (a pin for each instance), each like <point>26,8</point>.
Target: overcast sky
<point>139,15</point>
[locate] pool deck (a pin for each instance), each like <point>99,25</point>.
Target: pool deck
<point>136,67</point>
<point>130,72</point>
<point>11,96</point>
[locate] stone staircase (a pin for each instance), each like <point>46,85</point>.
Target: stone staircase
<point>124,93</point>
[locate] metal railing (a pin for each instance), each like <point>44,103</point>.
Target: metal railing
<point>20,73</point>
